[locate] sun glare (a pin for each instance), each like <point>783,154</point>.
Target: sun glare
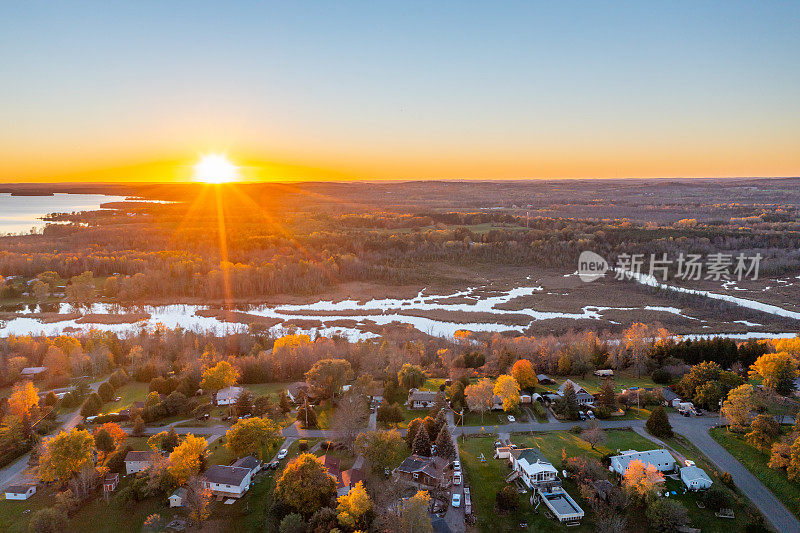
<point>215,168</point>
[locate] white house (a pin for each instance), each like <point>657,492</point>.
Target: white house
<point>20,492</point>
<point>660,458</point>
<point>138,461</point>
<point>229,395</point>
<point>421,399</point>
<point>695,478</point>
<point>582,396</point>
<point>227,481</point>
<point>177,498</point>
<point>532,467</point>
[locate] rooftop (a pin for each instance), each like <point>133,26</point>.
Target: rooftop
<point>18,489</point>
<point>248,462</point>
<point>140,456</point>
<point>226,475</point>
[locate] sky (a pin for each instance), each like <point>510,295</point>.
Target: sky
<point>105,91</point>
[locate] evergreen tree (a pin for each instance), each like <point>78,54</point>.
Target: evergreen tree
<point>422,443</point>
<point>607,397</point>
<point>444,444</point>
<point>170,442</point>
<point>567,405</point>
<point>438,405</point>
<point>306,416</point>
<point>283,402</point>
<point>411,431</point>
<point>106,391</point>
<point>658,423</point>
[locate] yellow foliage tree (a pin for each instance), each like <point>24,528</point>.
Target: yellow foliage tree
<point>737,408</point>
<point>186,460</point>
<point>777,370</point>
<point>640,480</point>
<point>524,373</point>
<point>415,518</point>
<point>23,399</point>
<point>507,388</point>
<point>65,455</point>
<point>353,506</point>
<point>250,435</point>
<point>219,376</point>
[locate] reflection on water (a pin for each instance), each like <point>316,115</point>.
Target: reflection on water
<point>21,214</point>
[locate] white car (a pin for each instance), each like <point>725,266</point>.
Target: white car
<point>282,453</point>
<point>511,419</point>
<point>456,466</point>
<point>456,501</point>
<point>457,478</point>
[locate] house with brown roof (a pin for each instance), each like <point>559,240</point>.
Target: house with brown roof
<point>297,391</point>
<point>421,470</point>
<point>33,372</point>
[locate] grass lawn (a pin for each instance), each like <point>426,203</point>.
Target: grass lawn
<point>788,492</point>
<point>491,418</point>
<point>272,390</point>
<point>132,391</point>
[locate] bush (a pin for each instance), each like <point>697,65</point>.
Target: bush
<point>661,376</point>
<point>116,460</point>
<point>507,499</point>
<point>106,391</point>
<point>602,412</point>
<point>302,445</point>
<point>92,405</point>
<point>48,521</point>
<point>102,419</point>
<point>726,479</point>
<point>715,500</point>
<point>576,430</point>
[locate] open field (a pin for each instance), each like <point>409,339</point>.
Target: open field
<point>131,392</point>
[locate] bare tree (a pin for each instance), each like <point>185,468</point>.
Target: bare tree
<point>198,498</point>
<point>351,416</point>
<point>594,434</point>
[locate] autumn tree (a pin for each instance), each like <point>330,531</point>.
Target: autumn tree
<point>219,376</point>
<point>523,372</point>
<point>106,391</point>
<point>479,396</point>
<point>594,434</point>
<point>777,370</point>
<point>390,413</point>
<point>411,431</point>
<point>92,405</point>
<point>658,423</point>
<point>198,500</point>
<point>62,456</point>
<point>104,442</point>
<point>383,449</point>
<point>250,435</point>
<point>414,517</point>
<point>351,415</point>
<point>507,388</point>
<point>307,416</point>
<point>411,376</point>
<point>763,431</point>
<point>305,485</point>
<point>188,458</point>
<point>780,455</point>
<point>327,376</point>
<point>354,508</point>
<point>48,520</point>
<point>23,400</point>
<point>640,480</point>
<point>793,468</point>
<point>737,408</point>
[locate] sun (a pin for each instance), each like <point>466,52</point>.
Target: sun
<point>215,168</point>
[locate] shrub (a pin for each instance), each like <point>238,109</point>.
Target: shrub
<point>507,499</point>
<point>116,460</point>
<point>106,391</point>
<point>577,430</point>
<point>726,479</point>
<point>48,520</point>
<point>715,499</point>
<point>661,376</point>
<point>92,405</point>
<point>302,445</point>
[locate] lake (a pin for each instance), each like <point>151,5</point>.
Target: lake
<point>21,214</point>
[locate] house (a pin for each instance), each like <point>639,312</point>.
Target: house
<point>670,398</point>
<point>249,462</point>
<point>377,395</point>
<point>544,379</point>
<point>20,492</point>
<point>110,482</point>
<point>604,373</point>
<point>683,407</point>
<point>229,395</point>
<point>349,478</point>
<point>533,468</point>
<point>497,403</point>
<point>332,464</point>
<point>524,398</point>
<point>297,391</point>
<point>582,396</point>
<point>226,481</point>
<point>695,478</point>
<point>138,461</point>
<point>420,470</point>
<point>660,458</point>
<point>33,372</point>
<point>177,498</point>
<point>421,399</point>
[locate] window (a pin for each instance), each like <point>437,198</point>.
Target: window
<point>416,475</point>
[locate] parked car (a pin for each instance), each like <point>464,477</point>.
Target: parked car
<point>457,478</point>
<point>456,501</point>
<point>689,462</point>
<point>590,414</point>
<point>118,398</point>
<point>456,466</point>
<point>282,453</point>
<point>273,465</point>
<point>511,419</point>
<point>582,415</point>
